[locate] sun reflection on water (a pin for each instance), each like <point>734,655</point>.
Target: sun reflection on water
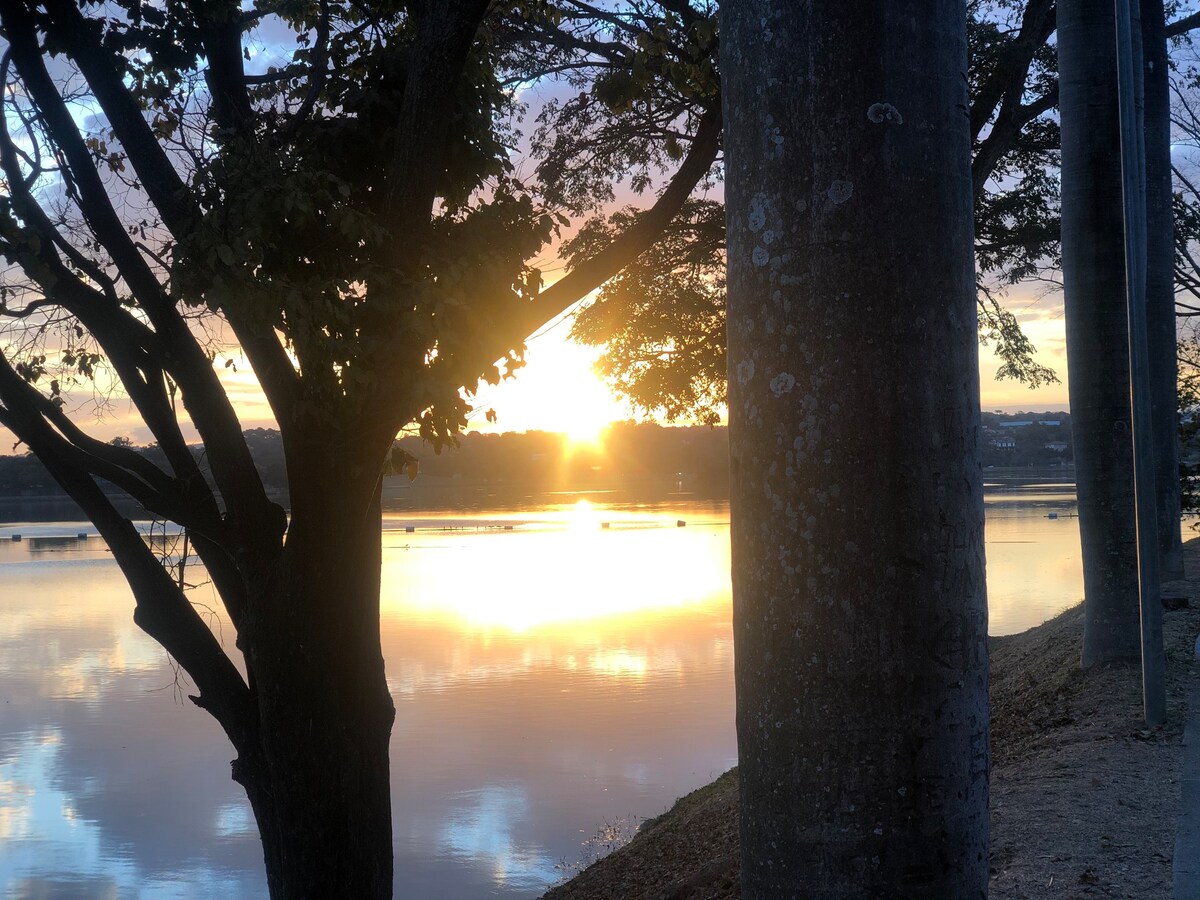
<point>586,563</point>
<point>621,663</point>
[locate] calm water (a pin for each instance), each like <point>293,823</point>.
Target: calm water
<point>552,677</point>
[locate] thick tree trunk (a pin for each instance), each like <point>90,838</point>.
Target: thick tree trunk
<point>319,778</point>
<point>1093,254</point>
<point>859,600</point>
<point>1160,288</point>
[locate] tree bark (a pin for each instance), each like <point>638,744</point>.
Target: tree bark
<point>1160,289</point>
<point>1093,255</point>
<point>318,778</point>
<point>858,579</point>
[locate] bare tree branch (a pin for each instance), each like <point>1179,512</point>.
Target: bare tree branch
<point>162,610</point>
<point>162,183</point>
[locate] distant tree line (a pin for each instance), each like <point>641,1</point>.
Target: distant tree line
<point>695,457</point>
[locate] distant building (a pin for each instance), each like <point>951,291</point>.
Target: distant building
<point>1004,444</point>
<point>1057,446</point>
<point>1020,424</point>
<point>1055,422</point>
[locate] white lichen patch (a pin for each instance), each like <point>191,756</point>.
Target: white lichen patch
<point>840,191</point>
<point>760,256</point>
<point>884,114</point>
<point>745,371</point>
<point>782,383</point>
<point>758,212</point>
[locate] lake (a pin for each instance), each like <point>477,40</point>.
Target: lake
<point>560,673</point>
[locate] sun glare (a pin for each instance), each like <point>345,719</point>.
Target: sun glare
<point>556,391</point>
<point>585,432</point>
<point>581,563</point>
<point>584,517</point>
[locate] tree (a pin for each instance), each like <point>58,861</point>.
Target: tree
<point>351,217</point>
<point>1160,286</point>
<point>859,607</point>
<point>1093,238</point>
<point>661,321</point>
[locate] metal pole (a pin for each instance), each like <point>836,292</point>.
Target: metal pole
<point>1133,184</point>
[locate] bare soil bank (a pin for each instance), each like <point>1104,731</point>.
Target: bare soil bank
<point>1084,799</point>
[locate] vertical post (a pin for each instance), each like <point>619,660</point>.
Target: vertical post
<point>1133,169</point>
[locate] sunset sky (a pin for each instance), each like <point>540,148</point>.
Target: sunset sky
<point>558,391</point>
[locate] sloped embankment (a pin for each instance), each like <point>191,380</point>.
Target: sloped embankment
<point>1084,799</point>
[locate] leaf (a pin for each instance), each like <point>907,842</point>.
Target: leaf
<point>400,460</point>
<point>225,252</point>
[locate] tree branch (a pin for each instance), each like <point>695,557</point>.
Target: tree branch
<point>162,610</point>
<point>162,183</point>
<point>255,517</point>
<point>221,34</point>
<point>93,197</point>
<point>1007,82</point>
<point>1183,26</point>
<point>1004,134</point>
<point>589,275</point>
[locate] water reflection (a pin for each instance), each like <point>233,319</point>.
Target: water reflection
<point>1033,564</point>
<point>482,826</point>
<point>553,670</point>
<point>547,677</point>
<point>582,565</point>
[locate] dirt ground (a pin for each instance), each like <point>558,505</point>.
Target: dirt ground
<point>1084,798</point>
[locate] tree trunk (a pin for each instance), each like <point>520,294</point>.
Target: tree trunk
<point>319,778</point>
<point>1093,255</point>
<point>858,580</point>
<point>1160,289</point>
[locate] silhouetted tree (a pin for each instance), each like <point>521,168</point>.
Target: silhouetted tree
<point>351,217</point>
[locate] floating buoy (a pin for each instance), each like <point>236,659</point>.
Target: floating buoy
<point>1052,516</point>
<point>16,537</point>
<point>82,536</point>
<point>603,524</point>
<point>680,523</point>
<point>409,529</point>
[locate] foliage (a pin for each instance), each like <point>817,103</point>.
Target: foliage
<point>644,73</point>
<point>1013,84</point>
<point>1189,420</point>
<point>330,185</point>
<point>661,320</point>
<point>999,328</point>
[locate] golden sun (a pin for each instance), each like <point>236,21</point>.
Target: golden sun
<point>583,427</point>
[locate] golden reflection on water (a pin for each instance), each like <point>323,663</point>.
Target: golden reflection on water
<point>573,565</point>
<point>1033,567</point>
